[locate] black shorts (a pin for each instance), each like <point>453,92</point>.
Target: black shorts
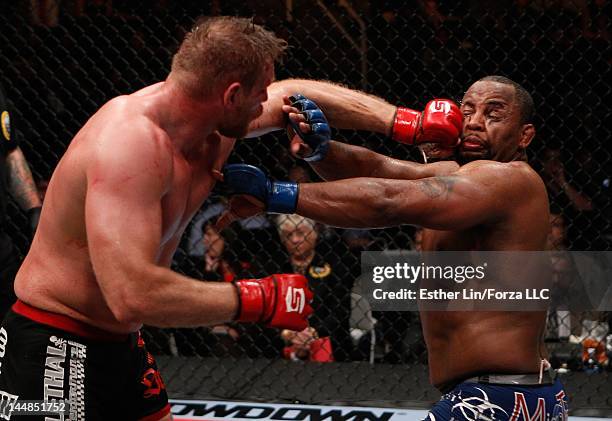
<point>9,265</point>
<point>103,376</point>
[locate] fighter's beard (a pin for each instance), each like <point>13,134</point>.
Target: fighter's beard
<point>236,131</point>
<point>236,128</point>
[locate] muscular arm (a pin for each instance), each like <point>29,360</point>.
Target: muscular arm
<point>125,188</point>
<point>350,161</point>
<point>344,108</point>
<point>474,195</point>
<point>20,182</point>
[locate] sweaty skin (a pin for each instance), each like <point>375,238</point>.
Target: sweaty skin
<point>483,206</point>
<point>117,205</point>
<point>495,202</point>
<point>121,197</point>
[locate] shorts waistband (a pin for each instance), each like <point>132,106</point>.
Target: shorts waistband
<point>66,323</point>
<point>526,379</point>
<point>529,379</point>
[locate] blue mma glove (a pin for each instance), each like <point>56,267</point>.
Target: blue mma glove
<point>277,196</point>
<point>320,133</point>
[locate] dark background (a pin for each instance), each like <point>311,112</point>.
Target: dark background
<point>63,59</point>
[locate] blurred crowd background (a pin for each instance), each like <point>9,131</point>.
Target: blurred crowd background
<point>62,59</point>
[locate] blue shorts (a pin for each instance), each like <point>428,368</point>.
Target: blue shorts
<point>484,401</point>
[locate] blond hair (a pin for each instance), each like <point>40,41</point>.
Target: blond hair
<point>219,50</point>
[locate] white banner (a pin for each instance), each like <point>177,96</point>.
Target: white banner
<point>188,410</point>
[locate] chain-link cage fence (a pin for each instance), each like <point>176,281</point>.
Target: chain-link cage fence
<point>64,59</point>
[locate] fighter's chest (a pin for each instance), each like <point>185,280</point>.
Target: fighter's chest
<point>191,184</point>
<point>189,189</point>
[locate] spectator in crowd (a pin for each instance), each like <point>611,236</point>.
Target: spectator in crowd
<point>557,237</point>
<point>220,340</point>
<point>44,12</point>
<point>521,18</point>
<point>591,178</point>
<point>16,180</point>
<point>195,245</point>
<point>306,345</point>
<point>332,302</point>
<point>216,267</point>
<point>564,322</point>
<point>433,14</point>
<point>223,260</point>
<point>220,263</point>
<point>561,192</point>
<point>582,193</point>
<point>559,322</point>
<point>391,326</point>
<point>254,229</point>
<point>573,282</point>
<point>598,24</point>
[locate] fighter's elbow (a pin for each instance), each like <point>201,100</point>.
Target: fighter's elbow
<point>289,87</point>
<point>129,300</point>
<point>127,307</point>
<point>281,88</point>
<point>286,85</point>
<point>126,313</point>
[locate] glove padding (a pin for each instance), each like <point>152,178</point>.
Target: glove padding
<point>277,196</point>
<point>281,301</point>
<point>441,122</point>
<point>320,134</point>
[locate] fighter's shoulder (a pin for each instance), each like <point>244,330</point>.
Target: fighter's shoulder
<point>442,168</point>
<point>128,117</point>
<point>128,134</point>
<point>514,169</point>
<point>515,175</point>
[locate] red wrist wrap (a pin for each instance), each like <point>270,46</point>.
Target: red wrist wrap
<point>405,125</point>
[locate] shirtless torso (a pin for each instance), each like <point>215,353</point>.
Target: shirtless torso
<point>493,202</point>
<point>483,205</point>
<point>115,209</point>
<point>123,140</point>
<point>490,342</point>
